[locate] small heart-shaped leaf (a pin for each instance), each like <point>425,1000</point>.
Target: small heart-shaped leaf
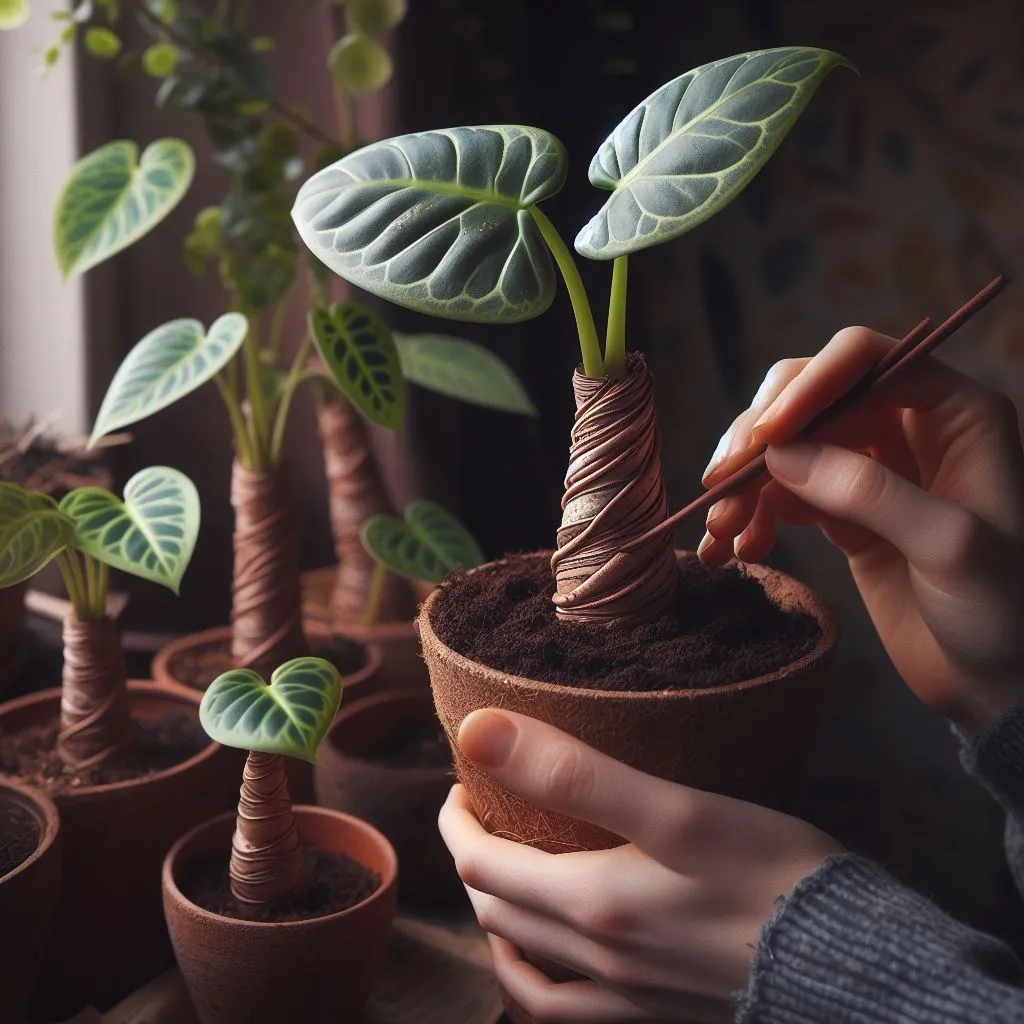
<point>32,533</point>
<point>462,369</point>
<point>112,199</point>
<point>167,364</point>
<point>427,544</point>
<point>151,534</point>
<point>361,356</point>
<point>291,716</point>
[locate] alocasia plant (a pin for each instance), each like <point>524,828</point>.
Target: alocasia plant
<point>449,223</point>
<point>150,533</point>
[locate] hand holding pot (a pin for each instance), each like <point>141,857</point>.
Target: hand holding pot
<point>922,488</point>
<point>665,925</point>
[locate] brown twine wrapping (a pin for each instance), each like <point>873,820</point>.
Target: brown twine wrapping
<point>614,492</point>
<point>268,866</point>
<point>95,720</point>
<point>266,612</point>
<point>356,492</point>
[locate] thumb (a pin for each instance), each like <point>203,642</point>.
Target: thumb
<point>932,534</point>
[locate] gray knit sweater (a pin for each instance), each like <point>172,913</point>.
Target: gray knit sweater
<point>853,946</point>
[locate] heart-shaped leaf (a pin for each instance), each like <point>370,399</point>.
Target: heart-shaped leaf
<point>462,369</point>
<point>426,544</point>
<point>151,534</point>
<point>439,221</point>
<point>291,716</point>
<point>112,199</point>
<point>361,356</point>
<point>32,533</point>
<point>167,364</point>
<point>693,145</point>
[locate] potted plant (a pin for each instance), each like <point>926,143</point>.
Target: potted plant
<point>126,764</point>
<point>279,912</point>
<point>386,759</point>
<point>30,857</point>
<point>706,676</point>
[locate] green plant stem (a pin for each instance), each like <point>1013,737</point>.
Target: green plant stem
<point>373,599</point>
<point>96,580</point>
<point>296,375</point>
<point>615,338</point>
<point>238,426</point>
<point>259,435</point>
<point>74,583</point>
<point>590,348</point>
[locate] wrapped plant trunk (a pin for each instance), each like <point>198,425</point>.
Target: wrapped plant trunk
<point>266,618</point>
<point>356,492</point>
<point>95,721</point>
<point>614,493</point>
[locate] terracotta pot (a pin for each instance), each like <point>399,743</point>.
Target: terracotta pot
<point>317,971</point>
<point>13,637</point>
<point>108,934</point>
<point>28,895</point>
<point>402,802</point>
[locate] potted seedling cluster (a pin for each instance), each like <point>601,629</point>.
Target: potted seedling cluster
<point>278,912</point>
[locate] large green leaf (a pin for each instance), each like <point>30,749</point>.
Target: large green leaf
<point>361,356</point>
<point>151,534</point>
<point>693,145</point>
<point>439,221</point>
<point>167,364</point>
<point>291,716</point>
<point>462,369</point>
<point>32,533</point>
<point>112,199</point>
<point>426,544</point>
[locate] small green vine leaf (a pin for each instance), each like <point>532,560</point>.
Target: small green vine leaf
<point>13,13</point>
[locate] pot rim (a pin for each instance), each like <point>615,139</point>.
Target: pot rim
<point>810,602</point>
<point>137,688</point>
<point>46,814</point>
<point>387,882</point>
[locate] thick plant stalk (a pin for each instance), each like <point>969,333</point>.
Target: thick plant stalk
<point>268,866</point>
<point>356,492</point>
<point>266,616</point>
<point>614,492</point>
<point>95,721</point>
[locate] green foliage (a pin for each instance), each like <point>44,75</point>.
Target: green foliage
<point>32,533</point>
<point>151,534</point>
<point>360,354</point>
<point>440,221</point>
<point>112,199</point>
<point>291,716</point>
<point>160,60</point>
<point>14,13</point>
<point>102,43</point>
<point>693,145</point>
<point>358,64</point>
<point>426,544</point>
<point>375,17</point>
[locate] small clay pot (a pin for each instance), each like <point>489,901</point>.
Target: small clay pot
<point>108,935</point>
<point>13,636</point>
<point>317,971</point>
<point>28,895</point>
<point>401,800</point>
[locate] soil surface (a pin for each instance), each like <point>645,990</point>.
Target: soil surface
<point>197,667</point>
<point>19,835</point>
<point>159,743</point>
<point>414,745</point>
<point>336,883</point>
<point>723,629</point>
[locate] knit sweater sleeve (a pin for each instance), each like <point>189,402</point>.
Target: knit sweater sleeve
<point>851,945</point>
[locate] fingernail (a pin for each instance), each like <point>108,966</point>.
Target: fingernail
<point>718,454</point>
<point>704,544</point>
<point>487,737</point>
<point>715,512</point>
<point>793,462</point>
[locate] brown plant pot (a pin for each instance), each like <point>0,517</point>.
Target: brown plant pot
<point>401,800</point>
<point>108,934</point>
<point>13,636</point>
<point>28,895</point>
<point>317,971</point>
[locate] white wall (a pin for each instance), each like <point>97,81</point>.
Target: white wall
<point>42,328</point>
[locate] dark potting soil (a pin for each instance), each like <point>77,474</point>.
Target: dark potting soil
<point>415,745</point>
<point>336,883</point>
<point>159,743</point>
<point>19,835</point>
<point>197,667</point>
<point>722,629</point>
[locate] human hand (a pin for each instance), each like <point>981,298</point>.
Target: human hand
<point>666,925</point>
<point>931,520</point>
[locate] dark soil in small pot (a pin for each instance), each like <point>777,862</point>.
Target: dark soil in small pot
<point>387,760</point>
<point>13,636</point>
<point>315,964</point>
<point>723,693</point>
<point>30,862</point>
<point>118,822</point>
